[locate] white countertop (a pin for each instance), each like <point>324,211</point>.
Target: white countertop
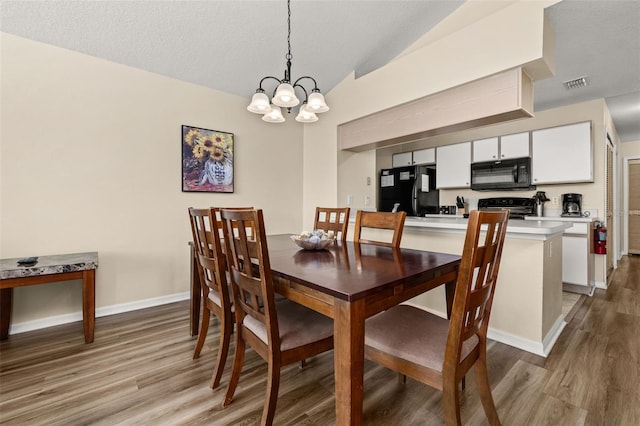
<point>563,219</point>
<point>540,228</point>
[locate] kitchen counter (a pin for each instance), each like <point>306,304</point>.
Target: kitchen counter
<point>578,264</point>
<point>517,228</point>
<point>527,307</point>
<point>575,219</point>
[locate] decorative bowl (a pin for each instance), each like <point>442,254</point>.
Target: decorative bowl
<point>316,240</point>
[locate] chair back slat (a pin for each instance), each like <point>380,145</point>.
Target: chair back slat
<point>393,222</point>
<point>251,278</point>
<point>206,240</point>
<point>477,277</point>
<point>333,219</point>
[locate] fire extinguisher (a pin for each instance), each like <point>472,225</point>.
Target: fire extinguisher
<point>599,238</point>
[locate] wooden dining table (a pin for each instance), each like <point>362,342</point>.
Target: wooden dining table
<point>351,282</point>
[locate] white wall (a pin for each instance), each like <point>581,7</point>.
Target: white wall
<point>91,161</point>
<point>474,48</point>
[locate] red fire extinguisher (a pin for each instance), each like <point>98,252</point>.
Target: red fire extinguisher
<point>599,239</point>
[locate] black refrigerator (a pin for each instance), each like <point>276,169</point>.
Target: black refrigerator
<point>411,188</point>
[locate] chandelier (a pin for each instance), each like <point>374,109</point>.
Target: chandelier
<point>285,95</point>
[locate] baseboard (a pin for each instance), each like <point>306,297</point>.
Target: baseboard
<point>538,348</point>
<point>600,284</point>
<point>104,311</point>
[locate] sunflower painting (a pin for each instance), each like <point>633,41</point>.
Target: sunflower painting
<point>207,160</point>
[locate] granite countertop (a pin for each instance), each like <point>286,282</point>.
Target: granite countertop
<point>54,264</point>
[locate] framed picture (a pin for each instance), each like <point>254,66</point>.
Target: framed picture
<point>207,160</point>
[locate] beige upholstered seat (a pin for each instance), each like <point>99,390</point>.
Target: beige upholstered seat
<point>333,219</point>
<point>437,351</point>
<point>393,222</point>
<point>280,332</point>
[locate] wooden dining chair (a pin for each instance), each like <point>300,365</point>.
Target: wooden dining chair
<point>216,297</point>
<point>393,222</point>
<point>437,351</point>
<point>281,333</point>
<point>333,219</point>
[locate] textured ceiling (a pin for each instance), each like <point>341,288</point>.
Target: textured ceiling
<point>229,45</point>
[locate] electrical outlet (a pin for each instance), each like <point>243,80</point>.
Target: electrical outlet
<point>554,201</point>
<point>349,199</point>
<point>367,200</point>
<point>368,181</point>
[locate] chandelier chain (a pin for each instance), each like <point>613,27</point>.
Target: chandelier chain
<point>289,56</point>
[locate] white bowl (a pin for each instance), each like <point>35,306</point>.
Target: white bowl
<point>309,245</point>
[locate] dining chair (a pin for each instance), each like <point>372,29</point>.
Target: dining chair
<point>379,220</point>
<point>216,297</point>
<point>437,351</point>
<point>281,332</point>
<point>333,219</point>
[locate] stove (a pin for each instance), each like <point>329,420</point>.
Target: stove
<point>518,207</point>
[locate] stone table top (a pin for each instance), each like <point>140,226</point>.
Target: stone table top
<point>54,264</point>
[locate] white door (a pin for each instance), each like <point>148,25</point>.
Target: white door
<point>634,207</point>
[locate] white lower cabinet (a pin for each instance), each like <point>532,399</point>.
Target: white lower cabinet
<point>577,259</point>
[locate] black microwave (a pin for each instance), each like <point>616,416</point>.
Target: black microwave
<point>510,175</point>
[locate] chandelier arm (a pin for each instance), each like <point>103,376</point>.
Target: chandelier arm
<point>315,84</point>
<point>260,89</point>
<point>306,94</point>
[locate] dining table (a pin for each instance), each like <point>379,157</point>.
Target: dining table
<point>350,282</point>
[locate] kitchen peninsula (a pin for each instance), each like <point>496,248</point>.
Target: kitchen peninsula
<point>527,307</point>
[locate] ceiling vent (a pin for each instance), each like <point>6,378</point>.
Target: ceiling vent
<point>576,83</point>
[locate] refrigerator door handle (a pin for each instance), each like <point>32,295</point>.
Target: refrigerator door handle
<point>414,196</point>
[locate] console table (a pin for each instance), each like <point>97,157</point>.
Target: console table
<point>50,269</point>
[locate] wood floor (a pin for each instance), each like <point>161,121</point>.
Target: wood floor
<point>139,371</point>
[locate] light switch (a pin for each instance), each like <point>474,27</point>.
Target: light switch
<point>349,199</point>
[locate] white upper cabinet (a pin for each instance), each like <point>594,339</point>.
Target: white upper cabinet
<point>501,148</point>
<point>562,154</point>
<point>402,159</point>
<point>515,145</point>
<point>453,166</point>
<point>485,150</point>
<point>424,156</point>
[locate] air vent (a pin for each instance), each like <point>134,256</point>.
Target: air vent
<point>576,83</point>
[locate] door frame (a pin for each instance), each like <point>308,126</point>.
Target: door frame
<point>625,199</point>
<point>613,245</point>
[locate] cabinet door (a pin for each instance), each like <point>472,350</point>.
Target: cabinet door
<point>424,156</point>
<point>453,166</point>
<point>402,159</point>
<point>514,146</point>
<point>485,150</point>
<point>575,266</point>
<point>562,154</point>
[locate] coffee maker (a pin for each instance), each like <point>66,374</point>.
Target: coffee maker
<point>571,205</point>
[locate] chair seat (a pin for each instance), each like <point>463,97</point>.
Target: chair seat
<point>298,325</point>
<point>412,334</point>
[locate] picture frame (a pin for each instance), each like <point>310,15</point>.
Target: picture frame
<point>207,160</point>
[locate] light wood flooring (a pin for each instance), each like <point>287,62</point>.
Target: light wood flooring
<point>139,371</point>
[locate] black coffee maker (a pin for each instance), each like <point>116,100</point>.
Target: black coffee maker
<point>571,205</point>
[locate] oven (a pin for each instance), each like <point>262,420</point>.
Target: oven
<point>518,207</point>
